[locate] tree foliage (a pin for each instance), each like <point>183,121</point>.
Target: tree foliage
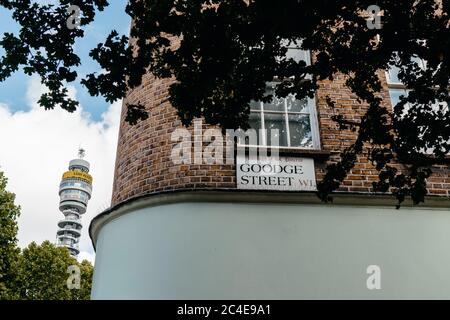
<point>9,252</point>
<point>222,53</point>
<point>43,274</point>
<point>87,272</point>
<point>38,271</point>
<point>44,45</point>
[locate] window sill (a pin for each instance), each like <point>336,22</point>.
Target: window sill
<point>295,152</point>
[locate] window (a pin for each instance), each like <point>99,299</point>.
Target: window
<point>392,73</point>
<point>295,120</point>
<point>396,94</point>
<point>398,89</point>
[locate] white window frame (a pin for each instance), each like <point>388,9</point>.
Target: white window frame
<point>313,120</point>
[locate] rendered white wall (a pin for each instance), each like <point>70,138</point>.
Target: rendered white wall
<point>263,251</point>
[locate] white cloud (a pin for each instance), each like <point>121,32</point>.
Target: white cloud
<point>35,149</point>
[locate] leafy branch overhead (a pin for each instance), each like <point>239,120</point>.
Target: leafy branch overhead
<point>221,54</point>
<point>44,45</point>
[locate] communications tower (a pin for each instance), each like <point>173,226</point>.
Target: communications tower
<point>75,192</point>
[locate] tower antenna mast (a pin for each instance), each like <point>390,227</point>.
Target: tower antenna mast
<point>81,153</point>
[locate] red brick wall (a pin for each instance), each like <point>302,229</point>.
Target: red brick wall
<point>143,163</point>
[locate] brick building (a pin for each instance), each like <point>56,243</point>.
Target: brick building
<point>196,230</point>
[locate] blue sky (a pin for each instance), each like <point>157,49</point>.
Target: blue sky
<point>13,90</point>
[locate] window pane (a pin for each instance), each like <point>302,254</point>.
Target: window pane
<point>255,105</point>
<point>274,121</point>
<point>297,54</point>
<point>393,71</point>
<point>255,123</point>
<point>395,96</point>
<point>393,75</point>
<point>277,104</point>
<point>295,105</point>
<point>300,131</point>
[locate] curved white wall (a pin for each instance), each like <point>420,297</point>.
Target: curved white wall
<point>272,251</point>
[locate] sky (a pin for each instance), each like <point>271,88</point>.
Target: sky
<point>36,145</point>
